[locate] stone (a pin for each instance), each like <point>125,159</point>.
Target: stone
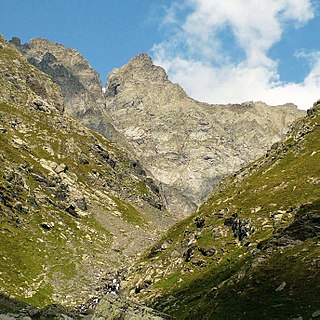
<point>54,311</point>
<point>81,203</point>
<point>165,246</point>
<point>187,145</point>
<point>241,228</point>
<point>199,222</point>
<point>60,168</point>
<point>71,209</point>
<point>207,252</point>
<point>281,287</point>
<point>6,317</point>
<point>188,254</point>
<point>113,307</point>
<point>277,216</point>
<point>47,225</point>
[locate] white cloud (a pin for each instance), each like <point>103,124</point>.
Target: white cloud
<point>195,58</point>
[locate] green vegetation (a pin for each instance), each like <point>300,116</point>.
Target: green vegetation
<point>129,213</point>
<point>237,290</point>
<point>240,279</point>
<point>59,184</point>
<point>31,257</point>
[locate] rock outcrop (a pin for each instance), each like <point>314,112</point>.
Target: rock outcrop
<point>24,85</point>
<point>187,145</point>
<point>80,85</point>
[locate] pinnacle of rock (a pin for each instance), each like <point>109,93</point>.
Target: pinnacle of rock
<point>80,85</point>
<point>187,145</point>
<point>139,68</point>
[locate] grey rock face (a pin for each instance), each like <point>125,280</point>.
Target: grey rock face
<point>187,145</point>
<point>31,88</point>
<point>80,85</point>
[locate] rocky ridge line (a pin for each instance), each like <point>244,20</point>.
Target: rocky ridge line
<point>80,85</point>
<point>187,145</point>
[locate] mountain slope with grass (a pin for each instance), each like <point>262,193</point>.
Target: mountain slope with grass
<point>77,210</point>
<point>74,207</point>
<point>252,250</point>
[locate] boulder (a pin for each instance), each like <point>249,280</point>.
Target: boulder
<point>114,307</point>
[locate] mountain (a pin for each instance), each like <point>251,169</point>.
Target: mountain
<point>90,181</point>
<point>251,251</point>
<point>74,207</point>
<point>187,145</point>
<point>80,85</point>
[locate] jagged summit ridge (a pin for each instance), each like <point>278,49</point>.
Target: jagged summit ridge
<point>142,65</point>
<point>80,85</point>
<point>186,144</point>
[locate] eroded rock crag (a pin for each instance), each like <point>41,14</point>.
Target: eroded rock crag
<point>187,145</point>
<point>80,84</point>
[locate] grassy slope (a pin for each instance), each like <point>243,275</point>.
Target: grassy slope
<point>32,257</point>
<point>65,262</point>
<point>240,279</point>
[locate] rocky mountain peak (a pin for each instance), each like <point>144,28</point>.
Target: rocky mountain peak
<point>188,145</point>
<point>80,84</point>
<point>142,58</point>
<point>142,65</point>
<point>16,41</point>
<point>139,69</point>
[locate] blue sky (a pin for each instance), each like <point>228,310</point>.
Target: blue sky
<point>107,32</point>
<point>219,51</point>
